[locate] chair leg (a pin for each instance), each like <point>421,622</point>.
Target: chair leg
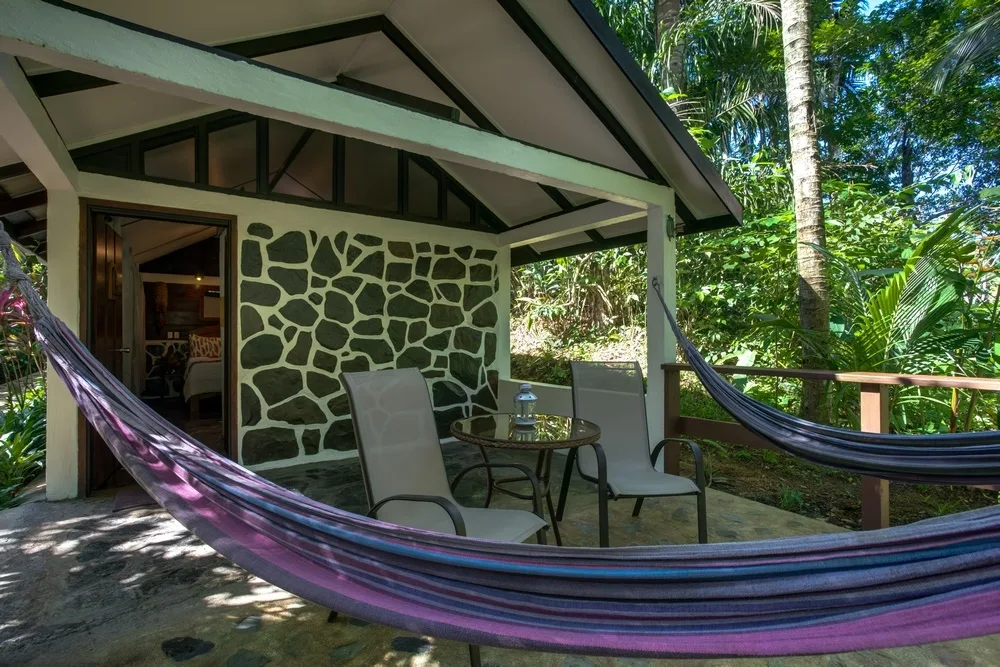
<point>564,491</point>
<point>702,518</point>
<point>474,659</point>
<point>552,517</point>
<point>489,477</point>
<point>638,506</point>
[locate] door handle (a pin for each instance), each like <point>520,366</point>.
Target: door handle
<point>122,349</point>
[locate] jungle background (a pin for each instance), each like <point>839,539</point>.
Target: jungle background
<point>907,125</point>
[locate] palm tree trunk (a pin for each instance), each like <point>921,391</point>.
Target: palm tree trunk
<point>813,293</point>
<point>906,158</point>
<point>668,15</point>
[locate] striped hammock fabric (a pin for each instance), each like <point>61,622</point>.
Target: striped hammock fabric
<point>930,581</point>
<point>947,458</point>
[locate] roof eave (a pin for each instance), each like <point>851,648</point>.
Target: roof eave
<point>608,39</point>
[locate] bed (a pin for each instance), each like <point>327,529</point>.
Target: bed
<point>202,375</point>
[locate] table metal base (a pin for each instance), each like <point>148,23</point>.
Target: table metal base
<point>543,470</point>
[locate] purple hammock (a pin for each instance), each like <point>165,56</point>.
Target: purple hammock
<point>930,581</point>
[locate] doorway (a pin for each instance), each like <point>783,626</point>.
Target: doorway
<point>157,315</point>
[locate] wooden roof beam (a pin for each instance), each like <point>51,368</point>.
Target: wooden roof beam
<point>28,129</point>
<point>23,203</point>
<point>61,82</point>
<point>71,37</point>
<point>582,219</point>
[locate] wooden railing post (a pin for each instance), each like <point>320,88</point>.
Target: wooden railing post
<point>874,491</point>
<point>671,416</point>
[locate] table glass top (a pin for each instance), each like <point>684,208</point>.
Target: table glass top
<point>549,431</point>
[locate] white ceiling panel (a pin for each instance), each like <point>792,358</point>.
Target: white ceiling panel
<point>323,61</point>
<point>150,239</point>
<point>219,21</point>
<point>379,62</point>
<point>474,44</point>
<point>91,116</point>
<point>513,199</point>
<point>593,63</point>
<point>486,55</point>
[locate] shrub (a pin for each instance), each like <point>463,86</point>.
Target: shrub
<point>22,445</point>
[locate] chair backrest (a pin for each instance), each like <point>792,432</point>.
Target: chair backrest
<point>397,439</point>
<point>610,394</point>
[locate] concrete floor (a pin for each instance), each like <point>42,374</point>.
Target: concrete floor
<point>80,585</point>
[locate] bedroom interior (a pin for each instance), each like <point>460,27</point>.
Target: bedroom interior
<point>172,319</point>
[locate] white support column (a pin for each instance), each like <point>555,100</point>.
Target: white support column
<point>28,130</point>
<point>661,346</point>
<point>62,432</point>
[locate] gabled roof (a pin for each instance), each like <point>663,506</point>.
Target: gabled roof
<point>547,72</point>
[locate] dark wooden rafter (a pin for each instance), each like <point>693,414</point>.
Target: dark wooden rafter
<point>590,97</point>
<point>9,171</point>
<point>526,257</point>
<point>263,155</point>
<point>23,202</point>
<point>401,99</point>
<point>480,212</point>
<point>199,128</point>
<point>61,82</point>
<point>290,158</point>
<point>26,230</point>
<point>452,92</point>
<point>561,64</point>
<point>627,65</point>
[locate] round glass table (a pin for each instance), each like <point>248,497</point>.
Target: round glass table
<point>549,433</point>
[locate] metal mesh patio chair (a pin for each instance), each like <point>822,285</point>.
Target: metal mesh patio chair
<point>403,468</point>
<point>611,395</point>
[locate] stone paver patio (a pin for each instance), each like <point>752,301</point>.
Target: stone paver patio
<point>80,585</point>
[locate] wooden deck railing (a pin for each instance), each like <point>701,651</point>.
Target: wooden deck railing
<point>874,414</point>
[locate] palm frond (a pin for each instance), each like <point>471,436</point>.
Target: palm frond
<point>979,44</point>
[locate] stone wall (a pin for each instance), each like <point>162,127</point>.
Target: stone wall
<point>315,305</point>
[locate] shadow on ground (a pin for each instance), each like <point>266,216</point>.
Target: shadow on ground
<point>80,585</point>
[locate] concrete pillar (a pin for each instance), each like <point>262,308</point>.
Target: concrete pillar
<point>62,453</point>
<point>29,131</point>
<point>661,347</point>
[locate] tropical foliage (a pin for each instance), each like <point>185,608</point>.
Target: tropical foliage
<point>22,392</point>
<point>909,133</point>
<point>22,445</point>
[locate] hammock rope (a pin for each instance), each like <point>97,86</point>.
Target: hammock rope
<point>930,581</point>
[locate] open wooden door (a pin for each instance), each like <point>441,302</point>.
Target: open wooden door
<point>106,341</point>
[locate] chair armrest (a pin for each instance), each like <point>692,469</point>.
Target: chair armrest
<point>699,459</point>
<point>536,487</point>
<point>451,508</point>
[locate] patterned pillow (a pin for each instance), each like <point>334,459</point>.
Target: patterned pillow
<point>205,347</point>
